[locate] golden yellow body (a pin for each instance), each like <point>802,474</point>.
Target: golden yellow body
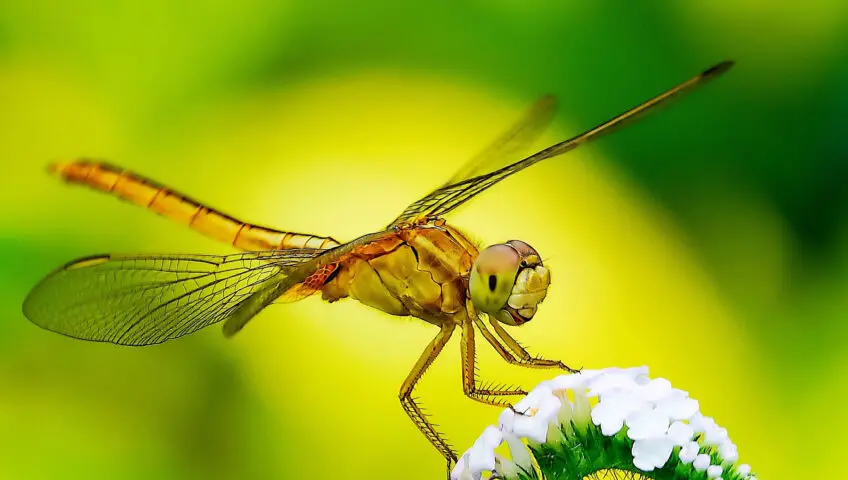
<point>418,266</point>
<point>420,271</point>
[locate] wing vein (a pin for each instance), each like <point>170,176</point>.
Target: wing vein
<point>141,300</point>
<point>447,198</point>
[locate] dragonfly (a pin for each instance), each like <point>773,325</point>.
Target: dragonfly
<point>418,266</point>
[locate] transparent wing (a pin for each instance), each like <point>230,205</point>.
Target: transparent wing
<point>505,148</point>
<point>143,300</point>
<point>447,198</point>
<point>513,142</point>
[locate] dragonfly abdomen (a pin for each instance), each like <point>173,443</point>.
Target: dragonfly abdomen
<point>164,201</point>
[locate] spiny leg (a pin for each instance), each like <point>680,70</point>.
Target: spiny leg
<point>409,404</point>
<point>523,356</point>
<point>470,386</point>
<point>495,343</point>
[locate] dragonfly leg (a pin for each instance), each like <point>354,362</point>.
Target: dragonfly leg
<point>413,408</point>
<point>470,382</point>
<point>522,356</point>
<point>508,356</point>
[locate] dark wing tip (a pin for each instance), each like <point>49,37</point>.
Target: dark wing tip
<point>718,69</point>
<point>27,309</point>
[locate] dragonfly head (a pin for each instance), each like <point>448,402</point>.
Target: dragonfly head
<point>508,281</point>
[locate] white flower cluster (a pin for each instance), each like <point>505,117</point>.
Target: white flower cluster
<point>658,418</point>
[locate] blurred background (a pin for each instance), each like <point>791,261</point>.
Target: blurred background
<point>709,242</point>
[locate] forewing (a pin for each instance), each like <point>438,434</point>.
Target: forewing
<point>143,300</point>
<point>510,144</point>
<point>447,198</point>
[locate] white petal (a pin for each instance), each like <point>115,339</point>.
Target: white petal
<point>655,390</point>
<point>714,471</point>
<point>680,433</point>
<point>678,393</point>
<point>688,452</point>
<point>646,424</point>
<point>534,397</point>
<point>567,382</point>
<point>728,451</point>
<point>608,383</point>
<point>492,437</point>
<point>603,411</point>
<point>626,402</point>
<point>611,411</point>
<point>519,452</point>
<point>637,371</point>
<point>506,420</point>
<point>481,457</point>
<point>643,464</point>
<point>678,408</point>
<point>467,475</point>
<point>540,405</point>
<point>528,427</point>
<point>715,436</point>
<point>534,424</point>
<point>701,423</point>
<point>654,452</point>
<point>589,374</point>
<point>610,428</point>
<point>505,467</point>
<point>460,470</point>
<point>701,462</point>
<point>548,408</point>
<point>631,372</point>
<point>609,422</point>
<point>658,418</point>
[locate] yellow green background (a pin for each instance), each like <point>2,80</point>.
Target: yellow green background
<point>709,242</point>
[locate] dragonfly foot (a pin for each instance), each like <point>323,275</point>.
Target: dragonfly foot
<point>523,414</point>
<point>569,369</point>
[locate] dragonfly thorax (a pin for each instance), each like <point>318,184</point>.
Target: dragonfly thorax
<point>420,271</point>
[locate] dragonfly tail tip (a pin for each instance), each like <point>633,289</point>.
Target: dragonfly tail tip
<point>56,168</point>
<point>719,68</point>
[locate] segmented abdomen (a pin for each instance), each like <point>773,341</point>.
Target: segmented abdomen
<point>164,201</point>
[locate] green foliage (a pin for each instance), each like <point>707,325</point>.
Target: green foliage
<point>585,452</point>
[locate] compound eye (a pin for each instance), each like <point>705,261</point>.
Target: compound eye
<point>492,277</point>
